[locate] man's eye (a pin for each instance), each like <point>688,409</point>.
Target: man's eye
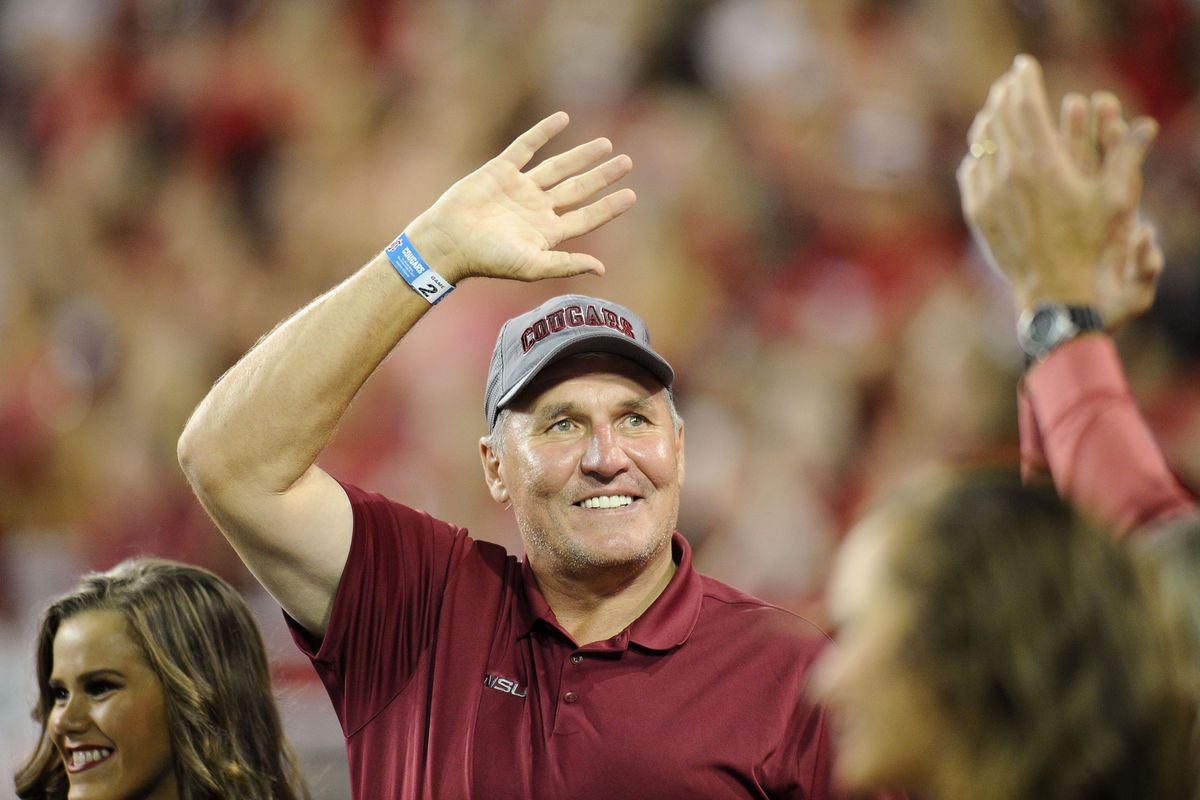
<point>562,426</point>
<point>636,420</point>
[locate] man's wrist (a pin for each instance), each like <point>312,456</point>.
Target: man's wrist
<point>411,265</point>
<point>1030,296</point>
<point>436,248</point>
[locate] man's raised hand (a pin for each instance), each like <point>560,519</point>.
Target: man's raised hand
<point>503,222</point>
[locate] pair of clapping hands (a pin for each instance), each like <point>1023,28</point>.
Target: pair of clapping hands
<point>1055,208</point>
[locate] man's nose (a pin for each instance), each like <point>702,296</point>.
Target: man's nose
<point>605,456</point>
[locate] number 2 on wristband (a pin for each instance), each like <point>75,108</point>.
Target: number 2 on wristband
<point>416,273</point>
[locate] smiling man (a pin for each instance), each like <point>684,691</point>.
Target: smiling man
<point>600,666</point>
<point>587,448</point>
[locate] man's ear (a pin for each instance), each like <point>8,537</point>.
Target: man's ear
<point>679,453</point>
<point>491,471</point>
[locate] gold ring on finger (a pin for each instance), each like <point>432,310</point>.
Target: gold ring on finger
<point>984,147</point>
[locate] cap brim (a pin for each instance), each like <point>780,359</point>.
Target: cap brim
<point>597,342</point>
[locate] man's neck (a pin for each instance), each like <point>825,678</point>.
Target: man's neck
<point>599,606</point>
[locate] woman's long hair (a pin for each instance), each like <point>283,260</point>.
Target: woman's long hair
<point>1047,645</point>
<point>200,639</point>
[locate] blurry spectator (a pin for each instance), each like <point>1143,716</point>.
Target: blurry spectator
<point>994,645</point>
<point>1080,265</point>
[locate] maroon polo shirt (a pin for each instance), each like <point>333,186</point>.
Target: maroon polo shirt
<point>452,679</point>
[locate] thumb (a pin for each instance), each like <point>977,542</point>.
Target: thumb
<point>1148,255</point>
<point>561,264</point>
<point>1123,164</point>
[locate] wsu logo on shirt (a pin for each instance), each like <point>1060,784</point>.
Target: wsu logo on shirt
<point>506,685</point>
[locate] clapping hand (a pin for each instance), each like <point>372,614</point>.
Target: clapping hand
<point>1056,209</point>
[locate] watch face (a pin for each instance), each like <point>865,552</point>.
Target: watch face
<point>1048,325</point>
<point>1044,329</point>
<point>1043,324</point>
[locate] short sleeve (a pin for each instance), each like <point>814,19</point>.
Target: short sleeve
<point>386,607</point>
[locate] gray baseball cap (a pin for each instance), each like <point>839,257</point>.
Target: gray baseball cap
<point>560,327</point>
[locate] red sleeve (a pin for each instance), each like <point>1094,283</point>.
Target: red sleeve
<point>386,606</point>
<point>1098,447</point>
<point>1034,468</point>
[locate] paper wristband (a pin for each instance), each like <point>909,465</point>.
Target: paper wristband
<point>416,273</point>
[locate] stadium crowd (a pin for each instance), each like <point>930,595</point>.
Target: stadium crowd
<point>179,176</point>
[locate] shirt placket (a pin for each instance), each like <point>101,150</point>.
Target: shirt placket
<point>577,668</point>
<point>571,693</point>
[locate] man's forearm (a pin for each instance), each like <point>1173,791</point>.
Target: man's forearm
<point>267,420</point>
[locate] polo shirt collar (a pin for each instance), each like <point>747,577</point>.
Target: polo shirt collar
<point>667,623</point>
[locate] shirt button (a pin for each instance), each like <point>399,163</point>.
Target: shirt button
<point>570,697</point>
<point>575,659</point>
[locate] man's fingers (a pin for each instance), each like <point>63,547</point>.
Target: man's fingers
<point>1123,162</point>
<point>999,135</point>
<point>563,165</point>
<point>1148,255</point>
<point>524,146</point>
<point>1151,268</point>
<point>577,189</point>
<point>984,116</point>
<point>1074,121</point>
<point>1030,109</point>
<point>987,156</point>
<point>970,185</point>
<point>1105,108</point>
<point>975,132</point>
<point>592,216</point>
<point>1006,148</point>
<point>1111,132</point>
<point>561,264</point>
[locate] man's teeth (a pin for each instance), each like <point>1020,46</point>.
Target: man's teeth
<point>81,757</point>
<point>607,501</point>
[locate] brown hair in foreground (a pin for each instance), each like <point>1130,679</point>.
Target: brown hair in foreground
<point>1046,643</point>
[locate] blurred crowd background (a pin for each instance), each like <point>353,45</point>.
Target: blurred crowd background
<point>180,175</point>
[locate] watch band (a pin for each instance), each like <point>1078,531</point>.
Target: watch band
<point>1086,318</point>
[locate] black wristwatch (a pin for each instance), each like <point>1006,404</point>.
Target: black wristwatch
<point>1048,325</point>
